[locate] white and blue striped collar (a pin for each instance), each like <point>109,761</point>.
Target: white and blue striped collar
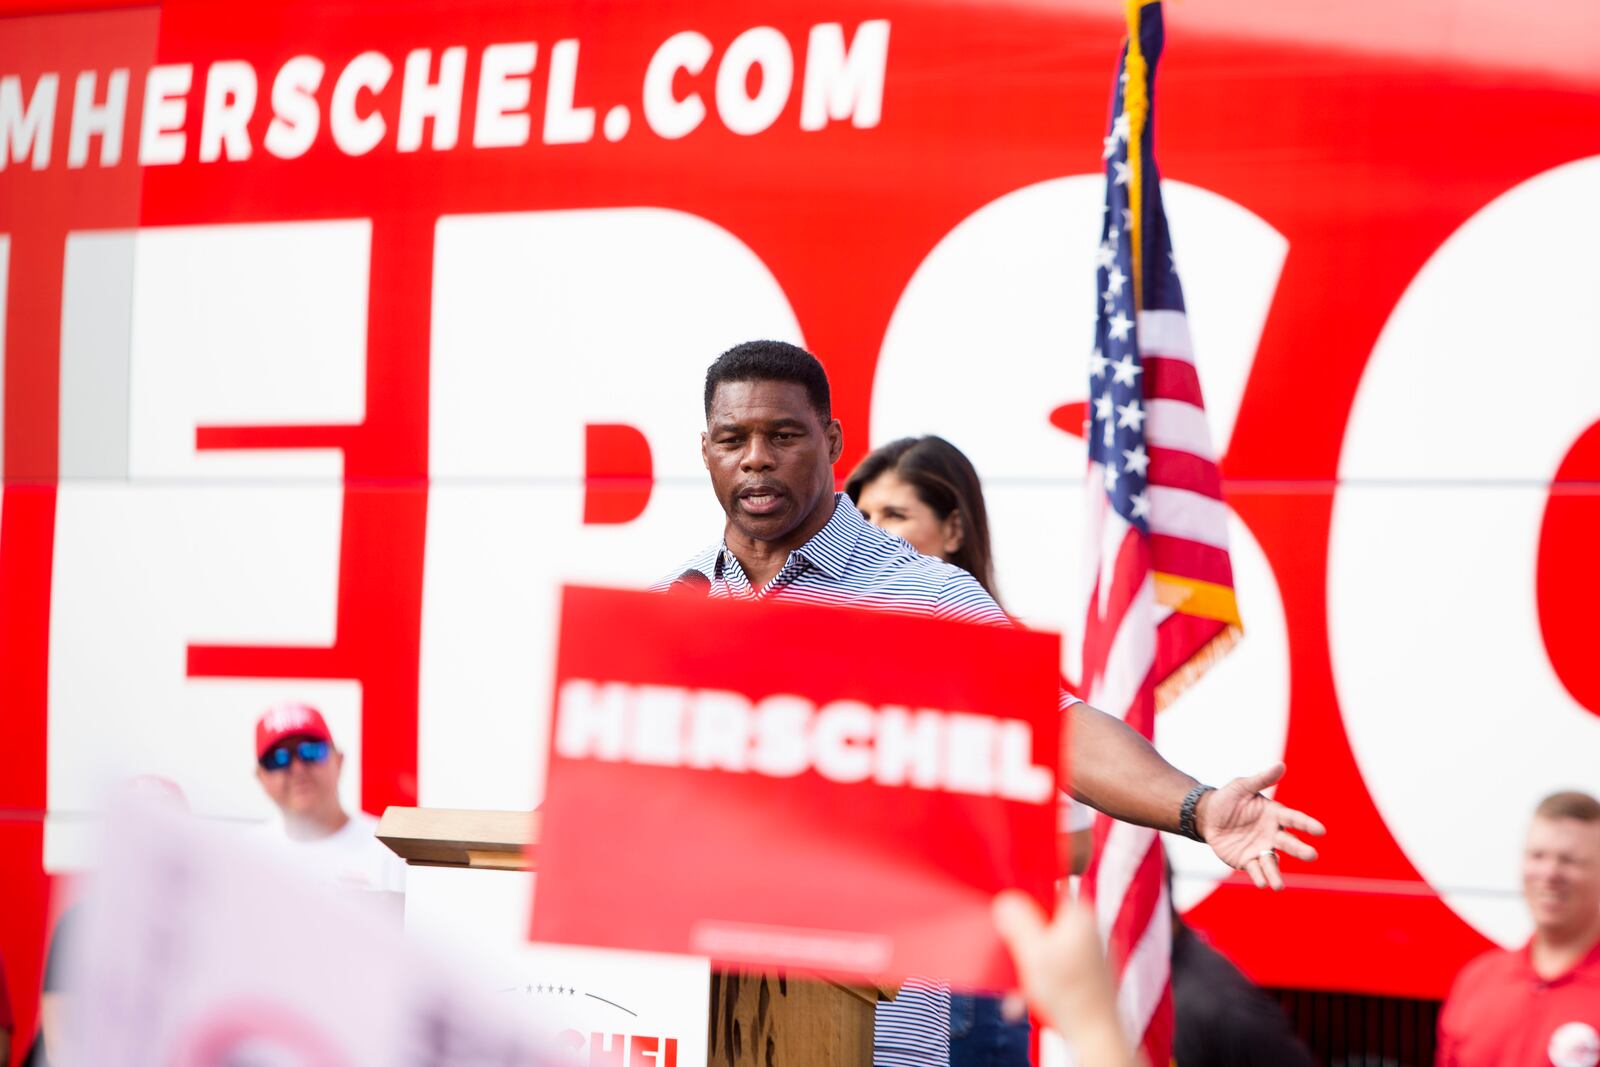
<point>828,550</point>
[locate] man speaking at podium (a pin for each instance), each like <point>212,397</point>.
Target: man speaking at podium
<point>770,444</point>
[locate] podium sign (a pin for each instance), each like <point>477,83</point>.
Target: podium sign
<point>779,784</point>
<point>644,1009</point>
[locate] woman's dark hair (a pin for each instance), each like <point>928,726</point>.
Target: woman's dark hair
<point>945,480</point>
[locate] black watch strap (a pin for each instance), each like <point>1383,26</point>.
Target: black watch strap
<point>1186,825</point>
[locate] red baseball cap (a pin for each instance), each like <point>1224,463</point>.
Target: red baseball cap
<point>290,720</point>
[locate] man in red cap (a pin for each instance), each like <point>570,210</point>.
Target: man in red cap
<point>298,765</point>
<point>1539,1004</point>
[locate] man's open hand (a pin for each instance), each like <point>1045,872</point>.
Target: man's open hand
<point>1247,830</point>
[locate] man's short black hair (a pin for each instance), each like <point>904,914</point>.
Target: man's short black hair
<point>772,361</point>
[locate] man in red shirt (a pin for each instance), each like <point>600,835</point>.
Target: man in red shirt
<point>1539,1006</point>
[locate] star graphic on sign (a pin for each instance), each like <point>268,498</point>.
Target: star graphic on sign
<point>1123,172</point>
<point>1102,407</point>
<point>1105,256</point>
<point>1126,372</point>
<point>1141,505</point>
<point>1111,477</point>
<point>1109,302</point>
<point>1119,127</point>
<point>1120,325</point>
<point>1127,217</point>
<point>1115,280</point>
<point>1109,436</point>
<point>1113,233</point>
<point>1130,414</point>
<point>1098,364</point>
<point>1108,147</point>
<point>1138,462</point>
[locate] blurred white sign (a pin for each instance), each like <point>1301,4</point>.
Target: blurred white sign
<point>196,950</point>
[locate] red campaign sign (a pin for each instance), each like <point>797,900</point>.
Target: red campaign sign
<point>833,790</point>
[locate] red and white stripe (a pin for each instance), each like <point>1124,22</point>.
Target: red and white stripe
<point>1125,658</point>
<point>1126,878</point>
<point>1185,484</point>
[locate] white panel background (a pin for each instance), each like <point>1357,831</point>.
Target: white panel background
<point>1482,380</point>
<point>543,323</point>
<point>229,325</point>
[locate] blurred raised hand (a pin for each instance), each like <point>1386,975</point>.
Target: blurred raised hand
<point>1064,975</point>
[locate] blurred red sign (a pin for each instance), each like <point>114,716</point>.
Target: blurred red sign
<point>833,790</point>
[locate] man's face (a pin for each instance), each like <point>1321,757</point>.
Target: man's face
<point>304,790</point>
<point>770,456</point>
<point>1561,873</point>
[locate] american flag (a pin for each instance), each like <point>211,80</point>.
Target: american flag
<point>1161,605</point>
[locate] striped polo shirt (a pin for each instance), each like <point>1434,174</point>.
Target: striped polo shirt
<point>850,562</point>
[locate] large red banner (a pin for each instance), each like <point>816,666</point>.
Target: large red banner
<point>834,790</point>
<point>336,338</point>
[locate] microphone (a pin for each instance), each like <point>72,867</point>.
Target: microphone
<point>690,583</point>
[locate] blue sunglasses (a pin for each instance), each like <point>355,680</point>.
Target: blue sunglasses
<point>280,756</point>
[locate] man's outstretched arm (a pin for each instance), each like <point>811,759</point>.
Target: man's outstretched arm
<point>1117,771</point>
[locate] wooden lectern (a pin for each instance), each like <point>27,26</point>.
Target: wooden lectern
<point>757,1019</point>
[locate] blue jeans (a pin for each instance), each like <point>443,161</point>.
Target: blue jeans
<point>981,1037</point>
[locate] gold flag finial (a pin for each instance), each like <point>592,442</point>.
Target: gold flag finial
<point>1136,107</point>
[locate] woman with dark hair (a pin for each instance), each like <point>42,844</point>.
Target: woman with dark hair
<point>926,491</point>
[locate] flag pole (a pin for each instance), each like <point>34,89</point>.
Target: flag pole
<point>1136,106</point>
